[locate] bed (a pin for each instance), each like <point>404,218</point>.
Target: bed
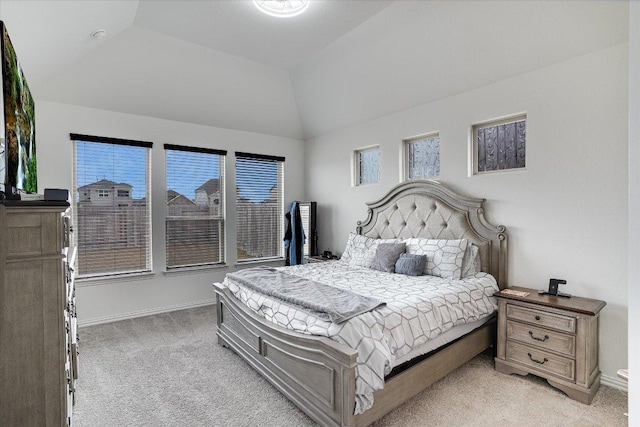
<point>318,374</point>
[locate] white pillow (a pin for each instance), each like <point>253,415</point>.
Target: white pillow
<point>361,250</point>
<point>471,264</point>
<point>444,257</point>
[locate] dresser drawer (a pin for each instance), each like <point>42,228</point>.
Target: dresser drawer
<point>543,338</point>
<point>540,360</point>
<point>542,318</point>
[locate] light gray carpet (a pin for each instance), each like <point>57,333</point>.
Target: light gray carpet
<point>168,370</point>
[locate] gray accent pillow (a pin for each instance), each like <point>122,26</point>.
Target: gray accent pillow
<point>411,265</point>
<point>386,256</point>
<point>471,264</point>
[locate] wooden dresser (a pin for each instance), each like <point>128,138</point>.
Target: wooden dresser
<point>38,338</point>
<point>555,338</point>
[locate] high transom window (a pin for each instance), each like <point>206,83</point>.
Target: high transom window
<point>422,156</point>
<point>499,145</point>
<point>367,166</point>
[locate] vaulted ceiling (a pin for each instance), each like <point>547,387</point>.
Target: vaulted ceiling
<point>223,63</point>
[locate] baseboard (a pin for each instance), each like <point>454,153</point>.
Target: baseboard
<point>142,313</point>
<point>614,382</point>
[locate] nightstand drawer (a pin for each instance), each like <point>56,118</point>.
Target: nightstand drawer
<point>544,338</point>
<point>541,318</point>
<point>541,360</point>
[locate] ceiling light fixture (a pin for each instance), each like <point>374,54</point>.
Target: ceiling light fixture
<point>282,8</point>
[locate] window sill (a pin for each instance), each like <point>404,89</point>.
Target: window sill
<point>260,261</point>
<point>180,271</point>
<point>498,171</point>
<point>368,184</point>
<point>106,280</point>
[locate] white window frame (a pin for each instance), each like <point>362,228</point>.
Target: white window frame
<point>473,143</point>
<point>106,276</point>
<point>405,155</point>
<point>280,208</point>
<point>220,217</point>
<point>355,165</point>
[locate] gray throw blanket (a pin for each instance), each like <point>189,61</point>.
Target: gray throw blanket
<point>323,301</point>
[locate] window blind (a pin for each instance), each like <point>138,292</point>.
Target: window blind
<point>259,206</point>
<point>112,206</point>
<point>195,229</point>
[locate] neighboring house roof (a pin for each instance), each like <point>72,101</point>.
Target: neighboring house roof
<point>105,183</point>
<point>172,194</point>
<point>175,198</point>
<point>210,187</point>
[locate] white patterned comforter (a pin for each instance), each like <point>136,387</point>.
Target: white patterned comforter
<point>417,309</point>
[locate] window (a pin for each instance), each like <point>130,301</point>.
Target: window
<point>367,166</point>
<point>308,217</point>
<point>259,206</point>
<point>194,212</point>
<point>499,145</point>
<point>113,236</point>
<point>422,156</point>
<point>123,193</point>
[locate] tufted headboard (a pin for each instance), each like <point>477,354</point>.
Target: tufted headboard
<point>430,210</point>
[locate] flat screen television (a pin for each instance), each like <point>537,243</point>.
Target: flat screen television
<point>18,167</point>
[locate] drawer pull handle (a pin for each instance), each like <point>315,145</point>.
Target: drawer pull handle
<point>546,337</point>
<point>537,317</point>
<point>542,362</point>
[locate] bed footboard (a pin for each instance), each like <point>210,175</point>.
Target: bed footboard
<point>318,374</point>
<point>415,379</point>
<point>315,373</point>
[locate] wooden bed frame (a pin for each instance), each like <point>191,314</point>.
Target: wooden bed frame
<point>318,374</point>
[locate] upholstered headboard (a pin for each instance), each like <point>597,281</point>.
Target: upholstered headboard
<point>430,210</point>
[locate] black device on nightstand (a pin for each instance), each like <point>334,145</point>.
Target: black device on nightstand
<point>553,288</point>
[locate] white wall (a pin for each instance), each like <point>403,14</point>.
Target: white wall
<point>566,214</point>
<point>111,300</point>
<point>414,52</point>
<point>634,213</point>
<point>143,72</point>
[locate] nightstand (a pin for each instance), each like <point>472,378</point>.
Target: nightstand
<point>555,338</point>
